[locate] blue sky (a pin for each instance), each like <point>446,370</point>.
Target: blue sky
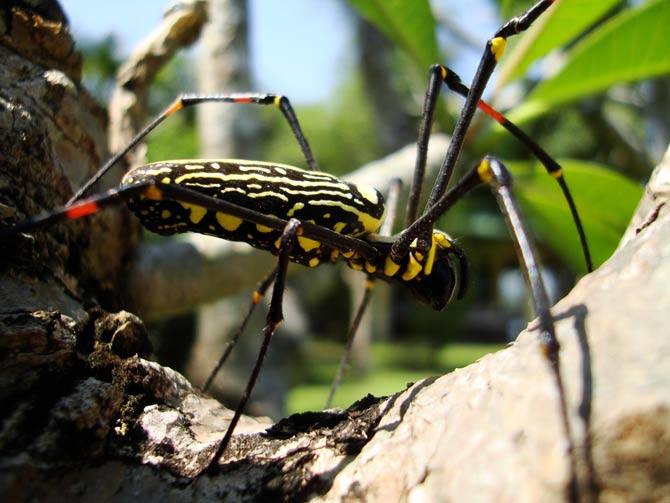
<point>294,43</point>
<point>287,52</point>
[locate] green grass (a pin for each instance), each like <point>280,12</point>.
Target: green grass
<point>381,383</point>
<point>392,367</point>
<point>455,356</point>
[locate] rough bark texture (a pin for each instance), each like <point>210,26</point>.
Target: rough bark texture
<point>86,417</point>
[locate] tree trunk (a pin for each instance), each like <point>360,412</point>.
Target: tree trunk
<point>86,417</point>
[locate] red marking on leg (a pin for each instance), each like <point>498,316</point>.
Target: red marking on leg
<point>81,210</point>
<point>491,112</point>
<point>242,100</point>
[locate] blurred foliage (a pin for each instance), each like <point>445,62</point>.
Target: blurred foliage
<point>628,47</point>
<point>177,138</point>
<point>176,77</point>
<point>410,25</point>
<point>566,21</point>
<point>101,61</point>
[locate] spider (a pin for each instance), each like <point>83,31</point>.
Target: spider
<point>311,218</point>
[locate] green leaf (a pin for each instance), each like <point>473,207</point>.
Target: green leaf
<point>410,25</point>
<point>629,47</point>
<point>605,201</point>
<point>563,22</point>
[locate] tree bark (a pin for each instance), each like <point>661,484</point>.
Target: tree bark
<point>85,416</point>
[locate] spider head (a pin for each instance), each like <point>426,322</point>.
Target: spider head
<point>433,277</point>
<point>442,274</point>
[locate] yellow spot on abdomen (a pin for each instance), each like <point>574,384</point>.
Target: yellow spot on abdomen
<point>197,213</point>
<point>370,224</point>
<point>339,226</point>
<point>228,222</point>
<point>308,244</point>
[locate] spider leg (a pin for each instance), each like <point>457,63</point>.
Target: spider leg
<point>553,168</point>
<point>495,47</point>
<point>256,297</point>
<point>492,172</point>
<point>499,178</point>
<point>152,189</point>
<point>274,318</point>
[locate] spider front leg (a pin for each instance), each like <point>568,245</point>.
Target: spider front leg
<point>492,172</point>
<point>439,75</point>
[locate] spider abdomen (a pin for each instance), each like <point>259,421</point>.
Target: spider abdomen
<point>272,189</point>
